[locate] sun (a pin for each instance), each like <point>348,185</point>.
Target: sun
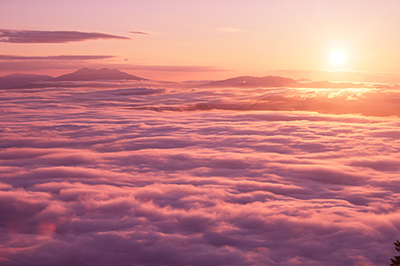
<point>338,58</point>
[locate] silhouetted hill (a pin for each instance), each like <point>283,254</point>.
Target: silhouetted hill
<point>328,84</point>
<point>19,80</point>
<point>88,74</point>
<point>276,81</point>
<point>248,81</point>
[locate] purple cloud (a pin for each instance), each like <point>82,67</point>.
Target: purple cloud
<point>68,62</point>
<point>139,32</point>
<point>93,176</point>
<point>34,36</point>
<point>56,57</point>
<point>173,68</point>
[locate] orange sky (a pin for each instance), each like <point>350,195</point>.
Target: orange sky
<point>209,39</point>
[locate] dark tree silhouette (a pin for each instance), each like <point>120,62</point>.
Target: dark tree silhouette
<point>396,260</point>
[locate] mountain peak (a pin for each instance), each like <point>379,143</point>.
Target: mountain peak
<point>90,74</point>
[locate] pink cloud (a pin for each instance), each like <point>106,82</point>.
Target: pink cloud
<point>57,57</point>
<point>139,32</point>
<point>93,176</point>
<point>35,36</point>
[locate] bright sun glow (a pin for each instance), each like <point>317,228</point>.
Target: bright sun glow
<point>338,58</point>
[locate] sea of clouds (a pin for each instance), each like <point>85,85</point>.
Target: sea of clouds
<point>159,175</point>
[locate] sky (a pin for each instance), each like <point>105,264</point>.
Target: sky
<point>243,172</point>
<point>183,40</point>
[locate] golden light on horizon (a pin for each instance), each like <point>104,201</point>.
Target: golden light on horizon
<point>338,58</point>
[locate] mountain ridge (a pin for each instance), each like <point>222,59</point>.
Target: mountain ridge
<point>19,80</point>
<point>249,81</point>
<point>277,81</point>
<point>84,74</point>
<point>90,74</point>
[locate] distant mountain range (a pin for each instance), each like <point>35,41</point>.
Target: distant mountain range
<point>84,74</point>
<point>276,81</point>
<point>87,74</point>
<point>248,81</point>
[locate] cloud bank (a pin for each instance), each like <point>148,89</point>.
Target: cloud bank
<point>87,180</point>
<point>35,36</point>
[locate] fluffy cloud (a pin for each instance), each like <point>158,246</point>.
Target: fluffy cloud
<point>94,176</point>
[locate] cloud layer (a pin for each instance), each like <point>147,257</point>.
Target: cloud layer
<point>86,179</point>
<point>35,36</point>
